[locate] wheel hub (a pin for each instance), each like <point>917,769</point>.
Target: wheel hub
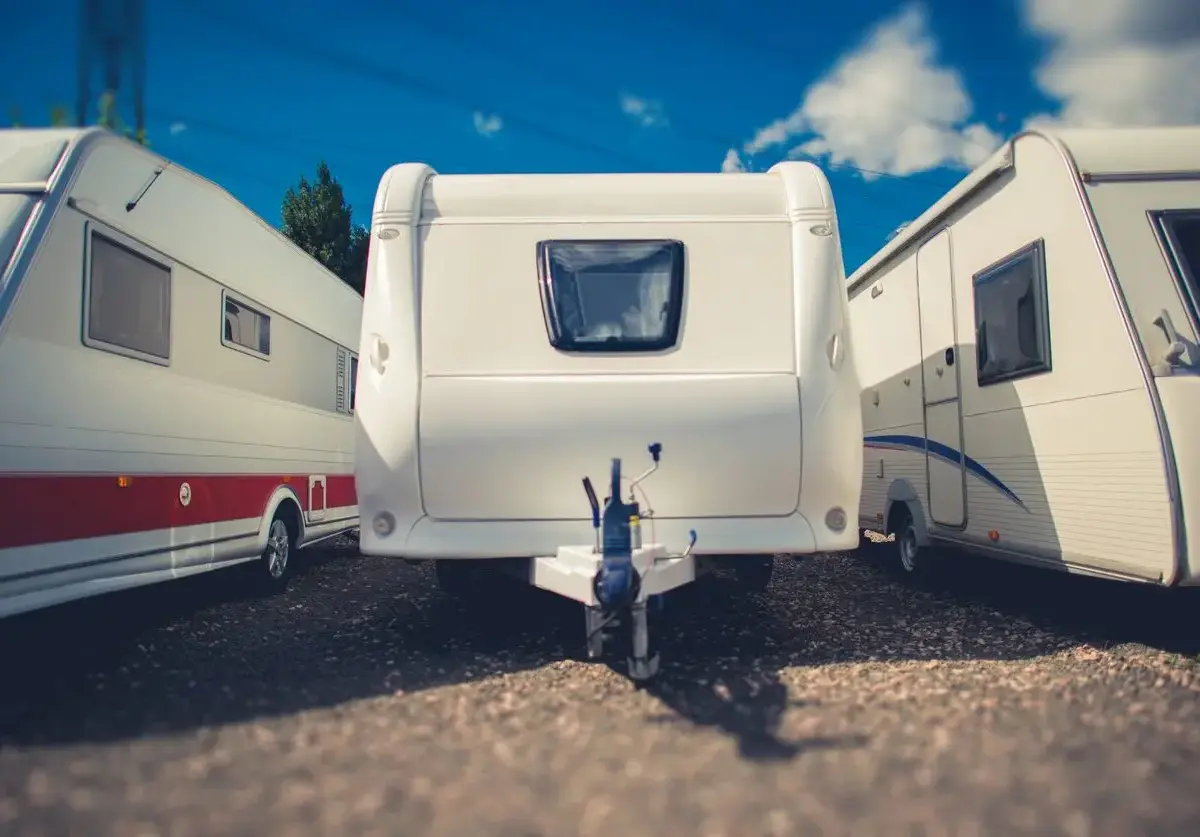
<point>278,549</point>
<point>908,549</point>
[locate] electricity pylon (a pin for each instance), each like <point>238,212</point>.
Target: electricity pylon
<point>112,41</point>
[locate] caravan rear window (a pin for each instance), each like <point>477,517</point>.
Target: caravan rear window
<point>1012,329</point>
<point>1181,234</point>
<point>612,296</point>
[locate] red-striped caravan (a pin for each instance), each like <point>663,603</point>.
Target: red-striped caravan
<point>178,377</point>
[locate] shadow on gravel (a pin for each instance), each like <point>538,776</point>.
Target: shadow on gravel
<point>184,656</point>
<point>732,685</point>
<point>747,707</point>
<point>1092,610</point>
<point>202,652</point>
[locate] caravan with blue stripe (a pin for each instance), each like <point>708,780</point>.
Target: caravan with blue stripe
<point>1044,315</point>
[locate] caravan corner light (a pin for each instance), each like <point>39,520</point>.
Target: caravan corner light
<point>835,519</point>
<point>384,524</point>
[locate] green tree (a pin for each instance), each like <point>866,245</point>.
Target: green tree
<point>60,117</point>
<point>318,219</point>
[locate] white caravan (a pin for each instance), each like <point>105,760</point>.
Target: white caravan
<point>521,330</point>
<point>187,376</point>
<point>1028,354</point>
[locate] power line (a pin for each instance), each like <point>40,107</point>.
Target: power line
<point>435,91</point>
<point>264,142</point>
<point>400,79</point>
<point>260,142</point>
<point>431,90</point>
<point>422,86</point>
<point>256,139</point>
<point>566,74</point>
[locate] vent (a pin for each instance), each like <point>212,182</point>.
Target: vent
<point>341,381</point>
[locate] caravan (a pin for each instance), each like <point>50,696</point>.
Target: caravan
<point>177,377</point>
<point>1029,361</point>
<point>521,331</point>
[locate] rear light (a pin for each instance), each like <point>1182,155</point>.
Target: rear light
<point>835,519</point>
<point>384,524</point>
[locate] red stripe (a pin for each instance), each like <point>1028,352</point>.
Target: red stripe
<point>43,508</point>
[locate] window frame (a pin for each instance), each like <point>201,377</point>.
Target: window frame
<point>1187,277</point>
<point>560,341</point>
<point>111,237</point>
<point>1035,253</point>
<point>226,296</point>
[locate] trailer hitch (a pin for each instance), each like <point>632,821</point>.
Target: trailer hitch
<point>617,585</point>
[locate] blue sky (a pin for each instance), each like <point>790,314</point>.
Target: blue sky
<point>253,94</point>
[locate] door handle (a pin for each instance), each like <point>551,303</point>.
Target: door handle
<point>950,356</point>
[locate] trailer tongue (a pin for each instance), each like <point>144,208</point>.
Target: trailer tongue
<point>618,577</point>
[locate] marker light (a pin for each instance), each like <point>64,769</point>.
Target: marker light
<point>384,524</point>
<point>835,519</point>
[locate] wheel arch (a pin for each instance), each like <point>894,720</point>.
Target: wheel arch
<point>282,497</point>
<point>902,494</point>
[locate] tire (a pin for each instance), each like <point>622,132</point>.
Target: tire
<point>753,573</point>
<point>908,559</point>
<point>273,569</point>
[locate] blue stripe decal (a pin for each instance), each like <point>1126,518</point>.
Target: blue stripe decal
<point>918,444</point>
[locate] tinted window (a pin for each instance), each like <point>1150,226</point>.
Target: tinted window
<point>1183,239</point>
<point>353,381</point>
<point>129,305</point>
<point>246,327</point>
<point>1012,336</point>
<point>612,296</point>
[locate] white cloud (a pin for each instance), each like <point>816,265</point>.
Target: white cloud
<point>177,128</point>
<point>645,112</point>
<point>1118,62</point>
<point>732,162</point>
<point>886,106</point>
<point>779,131</point>
<point>485,125</point>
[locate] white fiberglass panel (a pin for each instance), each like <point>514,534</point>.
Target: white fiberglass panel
<point>517,448</point>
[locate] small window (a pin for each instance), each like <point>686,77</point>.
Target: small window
<point>246,328</point>
<point>612,296</point>
<point>353,380</point>
<point>1181,233</point>
<point>1012,329</point>
<point>129,302</point>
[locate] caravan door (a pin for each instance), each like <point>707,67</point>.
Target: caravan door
<point>940,383</point>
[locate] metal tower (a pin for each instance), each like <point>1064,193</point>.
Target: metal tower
<point>112,41</point>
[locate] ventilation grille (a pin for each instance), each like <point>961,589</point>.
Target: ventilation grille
<point>341,381</point>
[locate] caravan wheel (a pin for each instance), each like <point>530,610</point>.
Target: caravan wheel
<point>909,559</point>
<point>273,569</point>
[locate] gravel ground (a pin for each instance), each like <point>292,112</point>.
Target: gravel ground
<point>998,701</point>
